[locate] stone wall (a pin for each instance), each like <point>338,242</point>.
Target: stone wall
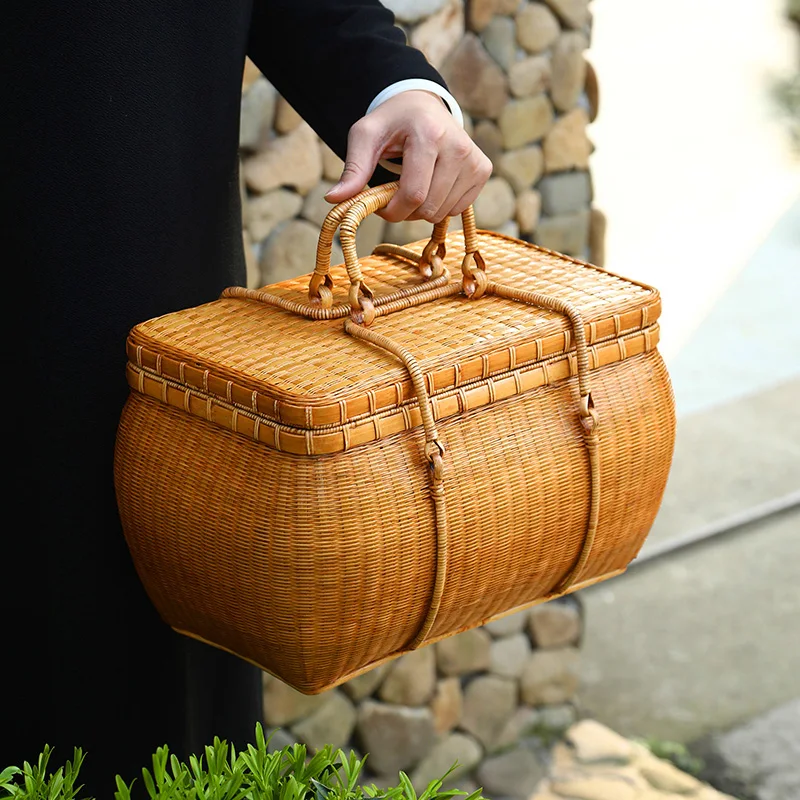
<point>491,699</point>
<point>519,71</point>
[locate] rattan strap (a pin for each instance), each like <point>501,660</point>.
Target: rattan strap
<point>434,450</point>
<point>588,415</point>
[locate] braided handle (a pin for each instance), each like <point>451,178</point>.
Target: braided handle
<point>348,215</point>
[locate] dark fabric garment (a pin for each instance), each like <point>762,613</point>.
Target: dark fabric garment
<point>120,203</point>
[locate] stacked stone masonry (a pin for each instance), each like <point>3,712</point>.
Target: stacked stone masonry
<point>519,71</point>
<point>491,699</point>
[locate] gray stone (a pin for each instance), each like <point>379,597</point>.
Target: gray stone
<point>408,231</point>
<point>529,209</point>
<point>284,705</point>
<point>537,27</point>
<point>292,160</point>
<point>265,212</point>
<point>290,251</point>
<point>500,40</point>
<point>395,737</point>
<point>489,704</point>
<point>465,653</point>
<point>278,739</point>
<point>516,773</point>
<point>475,78</point>
<point>567,146</point>
<point>316,207</point>
<point>457,750</point>
<point>364,685</point>
<point>413,10</point>
<point>495,205</point>
<point>525,121</point>
<point>490,140</point>
<point>331,724</point>
<point>286,118</point>
<point>566,233</point>
<point>550,677</point>
<point>557,719</point>
<point>332,165</point>
<point>525,722</point>
<point>370,234</point>
<point>252,271</point>
<point>438,36</point>
<point>256,115</point>
<point>508,655</point>
<point>412,679</point>
<point>666,777</point>
<point>598,787</point>
<point>763,754</point>
<point>509,228</point>
<point>522,168</point>
<point>565,192</point>
<point>447,704</point>
<point>574,13</point>
<point>529,76</point>
<point>508,625</point>
<point>480,13</point>
<point>597,238</point>
<point>568,70</point>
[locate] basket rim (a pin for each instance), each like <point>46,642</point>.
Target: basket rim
<point>246,420</point>
<point>341,407</point>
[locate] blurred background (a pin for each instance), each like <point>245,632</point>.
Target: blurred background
<point>656,140</point>
<point>698,174</point>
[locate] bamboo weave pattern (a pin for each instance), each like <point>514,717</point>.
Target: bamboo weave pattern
<point>318,496</point>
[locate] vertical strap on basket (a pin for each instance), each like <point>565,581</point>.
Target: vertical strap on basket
<point>587,414</point>
<point>434,450</point>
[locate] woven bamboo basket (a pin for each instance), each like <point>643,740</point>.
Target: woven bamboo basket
<point>320,485</point>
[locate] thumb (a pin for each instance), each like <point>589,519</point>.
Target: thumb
<point>362,158</point>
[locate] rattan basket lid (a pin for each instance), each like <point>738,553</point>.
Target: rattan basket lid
<point>235,345</point>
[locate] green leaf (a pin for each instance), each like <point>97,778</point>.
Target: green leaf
<point>123,790</point>
<point>408,787</point>
<point>148,782</point>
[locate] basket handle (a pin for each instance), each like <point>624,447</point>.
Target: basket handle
<point>349,215</point>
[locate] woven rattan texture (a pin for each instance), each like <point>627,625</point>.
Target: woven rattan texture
<point>315,568</point>
<point>313,362</point>
<point>359,429</point>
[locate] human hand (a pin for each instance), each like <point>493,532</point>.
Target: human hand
<point>443,169</point>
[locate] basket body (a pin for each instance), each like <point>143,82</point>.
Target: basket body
<point>279,507</point>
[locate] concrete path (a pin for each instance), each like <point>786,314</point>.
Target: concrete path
<point>702,194</point>
<point>700,641</point>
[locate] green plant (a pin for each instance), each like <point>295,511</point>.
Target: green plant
<point>33,783</point>
<point>786,90</point>
<point>221,773</point>
<point>677,753</point>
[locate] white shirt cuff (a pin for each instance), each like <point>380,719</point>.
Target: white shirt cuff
<point>420,85</point>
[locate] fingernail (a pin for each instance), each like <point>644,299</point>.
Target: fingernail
<point>333,189</point>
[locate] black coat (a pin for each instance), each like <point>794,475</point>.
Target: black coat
<point>120,182</point>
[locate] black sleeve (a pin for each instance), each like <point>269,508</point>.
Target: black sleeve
<point>330,58</point>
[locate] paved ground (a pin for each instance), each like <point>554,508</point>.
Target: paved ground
<point>702,195</point>
<point>699,642</point>
<point>730,458</point>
